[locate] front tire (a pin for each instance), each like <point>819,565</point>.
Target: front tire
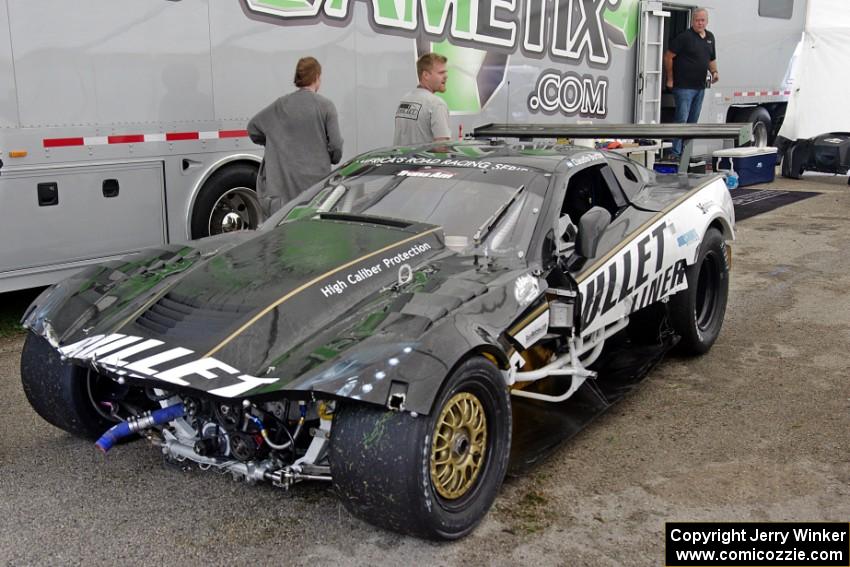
<point>61,393</point>
<point>432,476</point>
<point>697,312</point>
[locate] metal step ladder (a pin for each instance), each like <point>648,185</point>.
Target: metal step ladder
<point>650,61</point>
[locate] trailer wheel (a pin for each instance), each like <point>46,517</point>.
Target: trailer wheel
<point>432,476</point>
<point>63,394</point>
<point>227,202</point>
<point>762,123</point>
<point>696,313</point>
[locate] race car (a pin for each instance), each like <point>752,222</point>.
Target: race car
<point>381,331</point>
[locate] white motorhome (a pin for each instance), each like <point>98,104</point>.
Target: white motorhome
<point>122,124</point>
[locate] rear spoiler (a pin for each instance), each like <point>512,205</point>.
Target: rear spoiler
<point>741,132</point>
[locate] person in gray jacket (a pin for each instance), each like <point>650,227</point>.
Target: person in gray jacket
<point>301,134</point>
<point>422,117</point>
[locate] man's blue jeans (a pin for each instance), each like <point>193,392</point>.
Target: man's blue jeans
<point>688,106</point>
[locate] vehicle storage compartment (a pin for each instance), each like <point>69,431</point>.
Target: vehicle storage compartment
<point>80,213</point>
<point>753,165</point>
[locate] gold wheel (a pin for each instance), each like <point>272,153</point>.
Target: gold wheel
<point>459,448</point>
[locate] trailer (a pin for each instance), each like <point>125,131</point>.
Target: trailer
<point>122,125</point>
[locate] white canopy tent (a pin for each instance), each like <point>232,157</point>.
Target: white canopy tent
<point>820,72</point>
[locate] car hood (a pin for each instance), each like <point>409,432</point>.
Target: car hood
<point>240,309</point>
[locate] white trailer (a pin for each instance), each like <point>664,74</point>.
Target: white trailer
<point>122,124</point>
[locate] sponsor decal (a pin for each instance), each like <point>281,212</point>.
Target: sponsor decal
<point>640,272</point>
<point>425,173</point>
<point>583,159</point>
<point>569,94</point>
<point>127,355</point>
<point>479,35</point>
<point>534,331</point>
<point>576,29</point>
<point>344,282</point>
<point>444,162</point>
<point>687,238</point>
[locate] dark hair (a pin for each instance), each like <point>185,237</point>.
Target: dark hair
<point>307,70</point>
<point>427,61</point>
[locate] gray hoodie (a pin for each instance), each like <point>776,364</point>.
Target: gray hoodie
<point>301,134</point>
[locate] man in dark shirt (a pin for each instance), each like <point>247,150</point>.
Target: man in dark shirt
<point>691,55</point>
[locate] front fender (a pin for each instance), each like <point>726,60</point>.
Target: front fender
<point>403,375</point>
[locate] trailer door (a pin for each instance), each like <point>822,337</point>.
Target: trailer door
<point>650,54</point>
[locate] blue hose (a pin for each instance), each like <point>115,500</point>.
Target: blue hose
<point>136,424</point>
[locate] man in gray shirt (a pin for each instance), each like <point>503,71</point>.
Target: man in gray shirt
<point>301,134</point>
<point>423,117</point>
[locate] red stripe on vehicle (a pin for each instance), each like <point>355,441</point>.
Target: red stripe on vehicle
<point>233,133</point>
<point>61,142</point>
<point>177,136</point>
<point>738,94</point>
<point>126,139</point>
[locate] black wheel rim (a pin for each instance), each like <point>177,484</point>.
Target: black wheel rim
<point>708,285</point>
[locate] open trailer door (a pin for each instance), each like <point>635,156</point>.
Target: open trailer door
<point>650,54</point>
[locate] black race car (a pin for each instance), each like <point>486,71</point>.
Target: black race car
<point>392,330</point>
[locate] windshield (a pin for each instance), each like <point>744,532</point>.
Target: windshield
<point>466,202</point>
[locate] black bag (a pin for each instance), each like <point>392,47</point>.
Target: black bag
<point>831,153</point>
<point>827,153</point>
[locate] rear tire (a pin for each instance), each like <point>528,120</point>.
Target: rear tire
<point>62,393</point>
<point>227,202</point>
<point>696,313</point>
<point>432,476</point>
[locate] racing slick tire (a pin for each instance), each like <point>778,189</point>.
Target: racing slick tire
<point>696,313</point>
<point>432,476</point>
<point>227,202</point>
<point>60,392</point>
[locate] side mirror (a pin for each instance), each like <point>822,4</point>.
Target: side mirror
<point>591,227</point>
<point>566,232</point>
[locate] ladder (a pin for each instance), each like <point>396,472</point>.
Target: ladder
<point>650,61</point>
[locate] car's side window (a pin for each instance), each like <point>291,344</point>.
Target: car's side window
<point>631,177</point>
<point>590,188</point>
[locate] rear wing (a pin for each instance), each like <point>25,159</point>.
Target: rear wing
<point>741,133</point>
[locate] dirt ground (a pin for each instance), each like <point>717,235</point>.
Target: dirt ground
<point>756,430</point>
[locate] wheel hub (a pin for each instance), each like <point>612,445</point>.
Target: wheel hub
<point>236,209</point>
<point>231,222</point>
<point>459,447</point>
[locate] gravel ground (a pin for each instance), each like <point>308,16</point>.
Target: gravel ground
<point>757,430</point>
